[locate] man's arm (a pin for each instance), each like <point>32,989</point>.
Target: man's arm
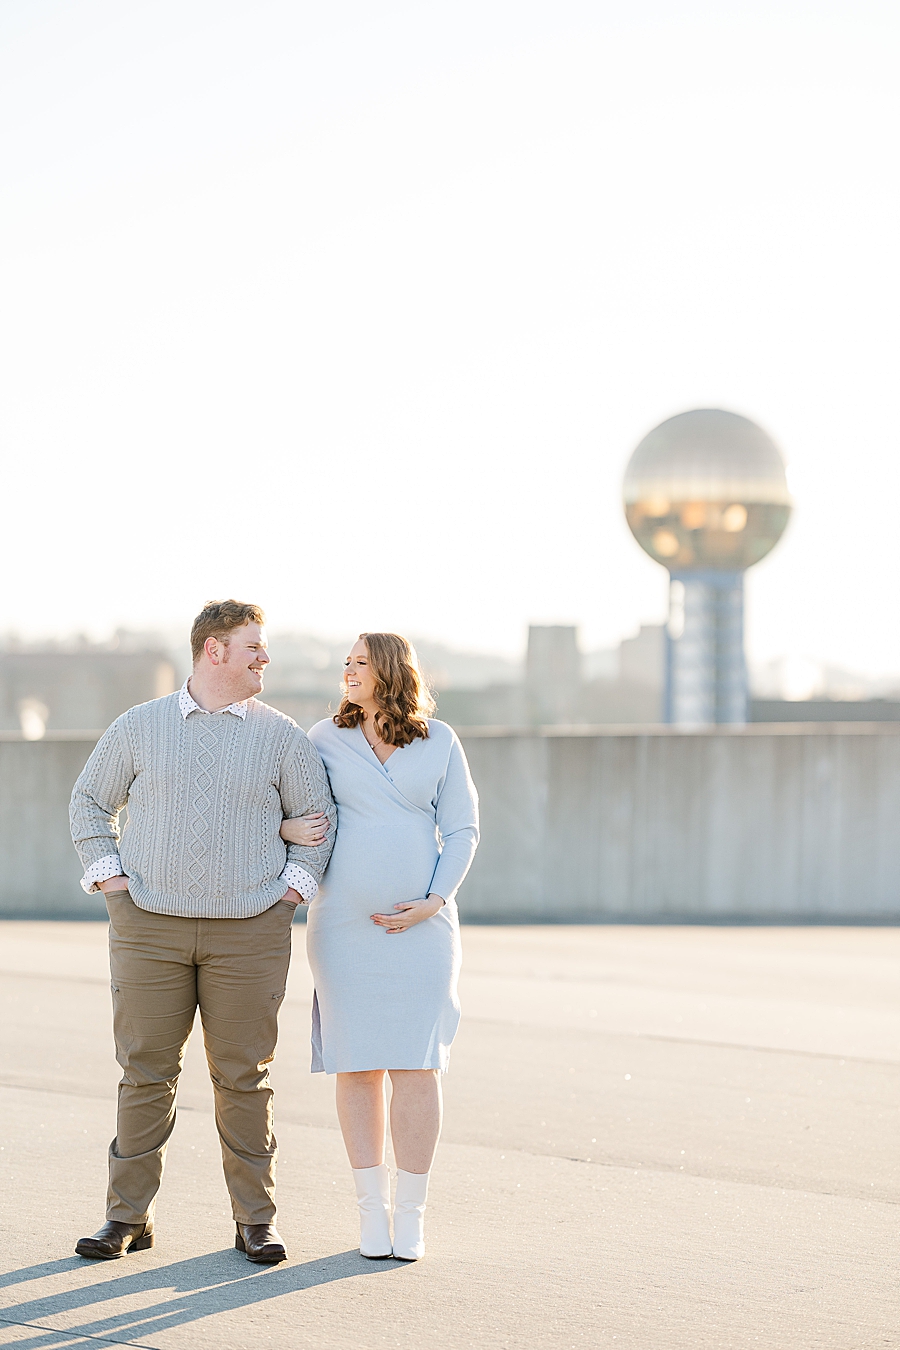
<point>97,798</point>
<point>304,787</point>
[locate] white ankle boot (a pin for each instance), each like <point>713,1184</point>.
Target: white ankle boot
<point>373,1193</point>
<point>409,1215</point>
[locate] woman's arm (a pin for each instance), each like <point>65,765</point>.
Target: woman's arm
<point>457,820</point>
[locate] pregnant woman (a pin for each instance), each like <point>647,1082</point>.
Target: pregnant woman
<point>383,930</point>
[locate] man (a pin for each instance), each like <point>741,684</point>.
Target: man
<point>201,893</point>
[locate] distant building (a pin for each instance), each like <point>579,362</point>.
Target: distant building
<point>56,689</point>
<point>552,675</point>
<point>561,686</point>
<point>824,710</point>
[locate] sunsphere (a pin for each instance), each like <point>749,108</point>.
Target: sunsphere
<point>706,490</point>
<point>706,496</point>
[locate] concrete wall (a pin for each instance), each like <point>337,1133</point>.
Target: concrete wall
<point>39,869</point>
<point>585,823</point>
<point>760,822</point>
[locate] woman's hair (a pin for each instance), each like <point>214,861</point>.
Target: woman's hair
<point>404,699</point>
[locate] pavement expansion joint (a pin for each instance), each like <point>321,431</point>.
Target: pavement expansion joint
<point>599,1030</point>
<point>57,977</point>
<point>74,1336</point>
<point>761,1049</point>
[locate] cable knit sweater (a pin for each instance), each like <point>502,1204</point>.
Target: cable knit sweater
<point>206,797</point>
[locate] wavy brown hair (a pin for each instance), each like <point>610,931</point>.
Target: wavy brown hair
<point>404,699</point>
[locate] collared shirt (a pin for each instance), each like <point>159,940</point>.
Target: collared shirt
<point>297,878</point>
<point>187,705</point>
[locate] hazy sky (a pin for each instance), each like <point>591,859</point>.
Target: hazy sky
<point>358,308</point>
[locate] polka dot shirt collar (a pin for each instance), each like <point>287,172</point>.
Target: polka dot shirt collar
<point>187,705</point>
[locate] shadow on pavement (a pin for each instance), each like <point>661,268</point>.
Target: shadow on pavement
<point>200,1287</point>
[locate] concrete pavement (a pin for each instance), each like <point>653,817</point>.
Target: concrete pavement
<point>655,1138</point>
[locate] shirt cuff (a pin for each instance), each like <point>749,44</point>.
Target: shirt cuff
<point>299,880</point>
<point>101,870</point>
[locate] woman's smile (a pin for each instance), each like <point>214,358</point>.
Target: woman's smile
<point>359,682</point>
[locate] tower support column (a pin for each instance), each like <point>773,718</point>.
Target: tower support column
<point>706,675</point>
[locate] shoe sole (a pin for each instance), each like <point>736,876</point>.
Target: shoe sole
<point>386,1256</point>
<point>140,1244</point>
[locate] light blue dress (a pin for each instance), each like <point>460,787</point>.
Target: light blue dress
<point>405,828</point>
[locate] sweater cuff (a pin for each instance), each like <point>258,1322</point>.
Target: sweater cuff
<point>299,880</point>
<point>101,870</point>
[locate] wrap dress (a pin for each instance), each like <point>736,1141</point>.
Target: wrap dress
<point>405,828</point>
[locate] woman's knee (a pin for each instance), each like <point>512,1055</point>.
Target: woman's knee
<point>364,1078</point>
<point>415,1079</point>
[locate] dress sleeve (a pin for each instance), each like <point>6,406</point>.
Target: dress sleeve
<point>457,822</point>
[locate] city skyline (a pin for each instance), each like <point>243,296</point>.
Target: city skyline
<point>266,276</point>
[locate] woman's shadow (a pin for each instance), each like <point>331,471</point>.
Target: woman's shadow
<point>202,1286</point>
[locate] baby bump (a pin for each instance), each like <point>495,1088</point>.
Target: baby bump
<point>372,870</point>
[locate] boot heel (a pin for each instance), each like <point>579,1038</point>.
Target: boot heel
<point>141,1244</point>
<point>239,1242</point>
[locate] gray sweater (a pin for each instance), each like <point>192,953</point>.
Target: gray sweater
<point>206,796</point>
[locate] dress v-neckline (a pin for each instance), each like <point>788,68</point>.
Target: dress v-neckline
<point>381,762</point>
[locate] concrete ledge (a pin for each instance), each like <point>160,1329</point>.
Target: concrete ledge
<point>780,823</point>
<point>659,730</point>
<point>40,874</point>
<point>783,823</point>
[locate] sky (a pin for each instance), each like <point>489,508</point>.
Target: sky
<point>358,309</point>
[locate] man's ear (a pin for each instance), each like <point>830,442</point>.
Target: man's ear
<point>213,650</point>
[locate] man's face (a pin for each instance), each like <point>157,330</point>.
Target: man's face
<point>244,659</point>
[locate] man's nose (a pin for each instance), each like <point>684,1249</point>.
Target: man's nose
<point>263,658</point>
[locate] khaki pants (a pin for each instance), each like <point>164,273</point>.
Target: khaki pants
<point>164,968</point>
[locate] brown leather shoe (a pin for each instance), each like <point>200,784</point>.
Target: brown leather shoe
<point>260,1242</point>
<point>115,1239</point>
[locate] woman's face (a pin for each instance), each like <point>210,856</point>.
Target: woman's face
<point>358,677</point>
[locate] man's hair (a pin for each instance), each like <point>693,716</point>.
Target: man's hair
<point>218,618</point>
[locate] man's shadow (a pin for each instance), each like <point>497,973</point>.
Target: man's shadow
<point>202,1286</point>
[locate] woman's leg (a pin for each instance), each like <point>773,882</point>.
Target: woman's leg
<point>360,1106</point>
<point>415,1129</point>
<point>416,1112</point>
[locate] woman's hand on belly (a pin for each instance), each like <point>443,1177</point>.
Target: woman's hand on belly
<point>409,913</point>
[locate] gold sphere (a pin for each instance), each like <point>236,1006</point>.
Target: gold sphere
<point>706,490</point>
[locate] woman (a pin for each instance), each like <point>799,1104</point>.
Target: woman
<point>383,930</point>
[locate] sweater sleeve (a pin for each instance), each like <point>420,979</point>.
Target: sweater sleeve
<point>98,796</point>
<point>304,787</point>
<point>457,821</point>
